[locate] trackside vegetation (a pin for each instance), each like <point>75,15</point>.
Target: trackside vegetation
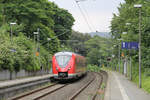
<point>20,48</point>
<point>126,21</point>
<point>93,68</point>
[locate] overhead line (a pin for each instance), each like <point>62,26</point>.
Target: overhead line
<point>83,15</point>
<point>89,18</point>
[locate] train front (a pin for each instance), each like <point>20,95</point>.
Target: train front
<point>63,64</point>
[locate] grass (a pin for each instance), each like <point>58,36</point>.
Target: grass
<point>145,82</point>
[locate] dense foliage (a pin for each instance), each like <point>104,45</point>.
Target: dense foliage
<point>98,49</point>
<point>127,21</point>
<point>77,42</point>
<point>93,68</point>
<point>30,15</point>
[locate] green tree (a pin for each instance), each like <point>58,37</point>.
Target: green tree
<point>97,49</point>
<point>78,43</point>
<point>129,14</point>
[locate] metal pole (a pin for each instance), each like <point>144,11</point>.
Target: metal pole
<point>140,48</point>
<point>130,68</point>
<point>127,66</point>
<point>119,57</point>
<point>48,59</point>
<point>34,48</point>
<point>123,66</point>
<point>38,45</point>
<point>112,60</point>
<point>11,34</point>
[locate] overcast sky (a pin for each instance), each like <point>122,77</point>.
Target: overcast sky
<point>99,13</point>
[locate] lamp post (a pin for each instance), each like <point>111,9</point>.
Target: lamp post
<point>48,39</point>
<point>119,52</point>
<point>125,65</point>
<point>113,57</point>
<point>35,48</point>
<point>11,32</point>
<point>140,17</point>
<point>128,24</point>
<point>11,40</point>
<point>124,33</point>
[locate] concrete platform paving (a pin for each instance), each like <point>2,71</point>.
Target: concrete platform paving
<point>120,88</point>
<point>24,80</point>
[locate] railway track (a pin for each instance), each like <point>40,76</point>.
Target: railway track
<point>54,88</point>
<point>73,97</point>
<point>38,97</point>
<point>80,90</point>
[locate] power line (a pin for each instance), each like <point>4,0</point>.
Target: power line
<point>77,2</point>
<point>91,23</point>
<point>83,0</point>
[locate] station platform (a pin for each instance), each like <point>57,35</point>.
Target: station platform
<point>9,83</point>
<point>120,88</point>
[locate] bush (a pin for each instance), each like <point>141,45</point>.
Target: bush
<point>20,54</point>
<point>93,68</point>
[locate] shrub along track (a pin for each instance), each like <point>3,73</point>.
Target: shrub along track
<point>101,91</point>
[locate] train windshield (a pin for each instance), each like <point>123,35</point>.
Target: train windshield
<point>63,60</point>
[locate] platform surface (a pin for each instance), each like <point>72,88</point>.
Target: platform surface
<point>120,88</point>
<point>23,80</point>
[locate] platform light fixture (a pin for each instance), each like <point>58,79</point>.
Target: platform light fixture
<point>11,32</point>
<point>140,21</point>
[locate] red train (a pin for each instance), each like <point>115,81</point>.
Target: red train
<point>66,65</point>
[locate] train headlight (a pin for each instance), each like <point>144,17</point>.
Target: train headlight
<point>56,68</point>
<point>69,68</point>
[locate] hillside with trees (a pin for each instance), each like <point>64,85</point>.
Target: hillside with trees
<point>20,48</point>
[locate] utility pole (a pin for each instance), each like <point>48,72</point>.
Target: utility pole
<point>119,53</point>
<point>119,57</point>
<point>48,39</point>
<point>140,48</point>
<point>140,19</point>
<point>130,66</point>
<point>130,57</point>
<point>38,46</point>
<point>35,45</point>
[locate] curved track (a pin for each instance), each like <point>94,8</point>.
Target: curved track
<point>77,94</point>
<point>80,90</point>
<point>74,91</point>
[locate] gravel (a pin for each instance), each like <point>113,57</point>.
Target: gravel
<point>66,92</point>
<point>91,90</point>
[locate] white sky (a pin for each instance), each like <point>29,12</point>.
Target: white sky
<point>98,12</point>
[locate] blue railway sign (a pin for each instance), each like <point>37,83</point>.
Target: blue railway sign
<point>134,45</point>
<point>124,45</point>
<point>130,45</point>
<point>12,50</point>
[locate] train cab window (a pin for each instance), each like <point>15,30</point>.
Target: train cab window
<point>63,60</point>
